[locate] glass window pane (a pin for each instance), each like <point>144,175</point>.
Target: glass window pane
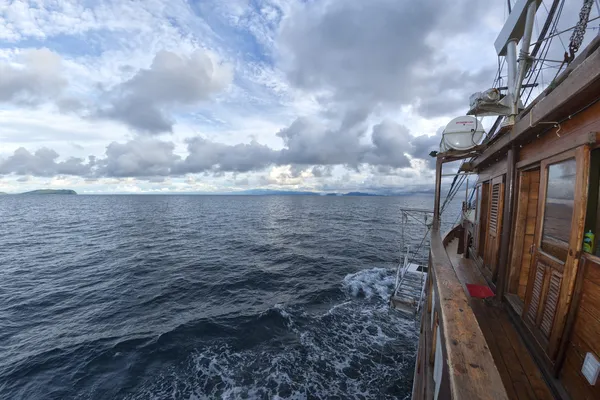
<point>560,198</point>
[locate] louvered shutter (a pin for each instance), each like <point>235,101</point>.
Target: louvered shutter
<point>494,208</point>
<point>551,303</point>
<point>536,293</point>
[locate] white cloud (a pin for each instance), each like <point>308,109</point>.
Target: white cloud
<point>238,94</point>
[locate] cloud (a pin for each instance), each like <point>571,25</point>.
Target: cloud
<point>377,52</point>
<point>144,101</point>
<point>309,142</point>
<point>43,162</point>
<point>205,155</point>
<point>310,149</point>
<point>138,158</point>
<point>38,78</point>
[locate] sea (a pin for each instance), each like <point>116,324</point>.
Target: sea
<point>204,297</point>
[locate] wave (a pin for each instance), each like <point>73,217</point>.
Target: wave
<point>357,349</point>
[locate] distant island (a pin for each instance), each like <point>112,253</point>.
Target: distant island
<point>51,191</point>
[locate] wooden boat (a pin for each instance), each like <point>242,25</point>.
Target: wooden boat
<point>536,201</point>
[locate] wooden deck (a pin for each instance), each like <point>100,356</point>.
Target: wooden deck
<point>521,376</point>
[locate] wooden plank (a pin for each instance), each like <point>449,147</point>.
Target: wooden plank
<point>585,335</point>
<point>472,371</point>
<point>519,232</point>
<point>552,145</point>
<point>518,377</point>
<point>517,367</point>
<point>498,168</point>
<point>592,273</point>
<point>487,329</point>
<point>575,384</point>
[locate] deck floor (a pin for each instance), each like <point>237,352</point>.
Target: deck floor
<point>520,374</point>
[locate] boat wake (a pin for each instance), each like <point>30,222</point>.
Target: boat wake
<point>357,349</point>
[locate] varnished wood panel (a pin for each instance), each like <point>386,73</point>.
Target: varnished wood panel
<point>574,131</point>
<point>496,169</point>
<point>571,378</point>
<point>523,231</point>
<point>584,334</point>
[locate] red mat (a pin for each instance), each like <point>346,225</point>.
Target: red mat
<point>479,291</point>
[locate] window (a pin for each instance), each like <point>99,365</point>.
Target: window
<point>558,211</point>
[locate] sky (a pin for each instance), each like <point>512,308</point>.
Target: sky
<point>221,96</point>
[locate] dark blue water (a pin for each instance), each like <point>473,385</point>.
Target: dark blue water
<point>201,297</point>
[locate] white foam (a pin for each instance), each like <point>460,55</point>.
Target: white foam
<point>370,282</point>
<point>353,351</point>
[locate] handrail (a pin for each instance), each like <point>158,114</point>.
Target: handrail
<point>469,370</point>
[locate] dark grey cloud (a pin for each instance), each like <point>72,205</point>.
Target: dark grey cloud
<point>205,155</point>
<point>139,158</point>
<point>143,102</point>
<point>448,94</point>
<point>308,143</point>
<point>380,51</point>
<point>39,78</point>
<point>390,142</point>
<point>43,162</point>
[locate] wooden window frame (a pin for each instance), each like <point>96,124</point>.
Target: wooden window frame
<point>545,171</point>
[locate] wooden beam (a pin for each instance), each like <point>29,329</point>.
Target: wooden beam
<point>578,89</point>
<point>563,144</point>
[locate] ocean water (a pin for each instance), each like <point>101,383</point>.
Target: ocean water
<point>203,297</point>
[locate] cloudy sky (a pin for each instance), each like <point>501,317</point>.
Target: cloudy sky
<point>218,96</point>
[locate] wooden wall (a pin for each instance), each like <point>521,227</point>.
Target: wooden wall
<point>585,335</point>
<point>552,143</point>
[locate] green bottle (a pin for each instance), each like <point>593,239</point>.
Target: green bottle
<point>588,242</point>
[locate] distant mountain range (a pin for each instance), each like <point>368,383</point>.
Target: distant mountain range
<point>268,192</point>
<point>47,191</point>
<point>252,192</point>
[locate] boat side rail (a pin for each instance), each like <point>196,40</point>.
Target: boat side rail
<point>454,360</point>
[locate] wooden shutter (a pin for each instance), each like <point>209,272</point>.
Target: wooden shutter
<point>494,228</point>
<point>536,293</point>
<point>551,303</point>
<point>494,208</point>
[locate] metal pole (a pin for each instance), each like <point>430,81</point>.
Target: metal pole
<point>511,66</point>
<point>524,53</point>
<point>438,186</point>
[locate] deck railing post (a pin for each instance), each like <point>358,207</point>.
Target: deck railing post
<point>438,184</point>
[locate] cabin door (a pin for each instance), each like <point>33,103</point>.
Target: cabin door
<point>494,225</point>
<point>553,267</point>
<point>523,233</point>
